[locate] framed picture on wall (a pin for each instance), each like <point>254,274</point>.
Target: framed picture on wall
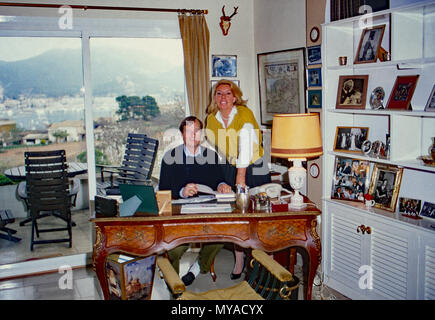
<point>224,65</point>
<point>403,90</point>
<point>314,55</point>
<point>352,92</point>
<point>213,82</point>
<point>385,185</point>
<point>281,78</point>
<point>314,98</point>
<point>314,77</point>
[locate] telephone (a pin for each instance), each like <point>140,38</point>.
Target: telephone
<point>273,190</point>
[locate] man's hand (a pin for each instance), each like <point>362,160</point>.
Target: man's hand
<point>190,190</point>
<point>224,188</point>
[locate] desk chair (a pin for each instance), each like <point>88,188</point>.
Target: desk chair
<point>48,191</point>
<point>137,165</point>
<point>266,279</point>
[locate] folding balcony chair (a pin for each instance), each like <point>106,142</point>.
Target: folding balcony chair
<point>266,279</point>
<point>47,187</point>
<point>137,165</point>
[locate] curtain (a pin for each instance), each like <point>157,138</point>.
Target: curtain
<point>196,42</point>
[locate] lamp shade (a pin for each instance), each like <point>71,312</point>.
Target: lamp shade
<point>296,136</point>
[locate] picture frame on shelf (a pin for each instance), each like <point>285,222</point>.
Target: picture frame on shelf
<point>352,92</point>
<point>369,44</point>
<point>403,90</point>
<point>314,77</point>
<point>428,210</point>
<point>281,79</point>
<point>430,105</point>
<point>350,139</point>
<point>314,98</point>
<point>410,207</point>
<point>314,55</point>
<point>224,65</point>
<point>350,179</point>
<point>213,82</point>
<point>385,185</point>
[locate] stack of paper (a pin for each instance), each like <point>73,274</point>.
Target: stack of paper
<point>205,208</point>
<point>219,196</point>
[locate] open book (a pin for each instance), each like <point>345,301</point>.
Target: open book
<point>219,196</point>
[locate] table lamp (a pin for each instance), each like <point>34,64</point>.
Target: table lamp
<point>296,137</point>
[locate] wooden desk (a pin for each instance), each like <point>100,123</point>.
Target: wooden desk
<point>271,232</point>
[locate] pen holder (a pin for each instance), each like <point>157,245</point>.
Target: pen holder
<point>242,201</point>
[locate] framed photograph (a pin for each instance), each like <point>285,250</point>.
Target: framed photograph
<point>401,95</point>
<point>213,82</point>
<point>409,206</point>
<point>281,78</point>
<point>369,44</point>
<point>314,77</point>
<point>385,185</point>
<point>350,139</point>
<point>350,180</point>
<point>224,65</point>
<point>352,92</point>
<point>314,98</point>
<point>314,55</point>
<point>428,210</point>
<point>430,105</point>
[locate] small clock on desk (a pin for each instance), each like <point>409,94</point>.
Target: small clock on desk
<point>314,34</point>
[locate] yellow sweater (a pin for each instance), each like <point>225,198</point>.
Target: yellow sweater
<point>226,140</point>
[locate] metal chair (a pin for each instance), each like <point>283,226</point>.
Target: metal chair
<point>266,279</point>
<point>48,191</point>
<point>137,166</point>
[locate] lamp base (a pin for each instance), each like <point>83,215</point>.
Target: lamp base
<point>296,176</point>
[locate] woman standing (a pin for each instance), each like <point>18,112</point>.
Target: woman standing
<point>231,127</point>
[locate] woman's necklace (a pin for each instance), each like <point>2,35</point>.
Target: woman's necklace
<point>225,118</point>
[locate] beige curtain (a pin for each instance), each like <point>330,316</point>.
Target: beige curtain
<point>196,41</point>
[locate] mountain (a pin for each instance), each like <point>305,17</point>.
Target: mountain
<point>58,72</point>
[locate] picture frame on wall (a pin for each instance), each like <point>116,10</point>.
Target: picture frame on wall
<point>281,79</point>
<point>314,55</point>
<point>350,179</point>
<point>369,44</point>
<point>430,105</point>
<point>385,185</point>
<point>314,98</point>
<point>350,139</point>
<point>352,92</point>
<point>213,82</point>
<point>403,90</point>
<point>224,65</point>
<point>314,77</point>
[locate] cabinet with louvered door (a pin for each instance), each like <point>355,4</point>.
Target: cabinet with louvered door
<point>427,269</point>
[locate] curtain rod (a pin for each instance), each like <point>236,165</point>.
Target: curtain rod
<point>85,7</point>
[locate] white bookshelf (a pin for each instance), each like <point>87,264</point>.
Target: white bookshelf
<point>401,273</point>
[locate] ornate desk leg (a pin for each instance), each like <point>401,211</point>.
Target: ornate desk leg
<point>98,259</point>
<point>315,257</point>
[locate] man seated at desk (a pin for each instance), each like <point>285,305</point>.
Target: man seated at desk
<point>182,169</point>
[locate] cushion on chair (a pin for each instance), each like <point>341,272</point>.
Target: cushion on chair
<point>240,291</point>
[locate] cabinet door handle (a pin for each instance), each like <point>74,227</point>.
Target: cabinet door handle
<point>361,228</point>
<point>368,230</point>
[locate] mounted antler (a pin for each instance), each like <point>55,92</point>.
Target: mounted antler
<point>226,21</point>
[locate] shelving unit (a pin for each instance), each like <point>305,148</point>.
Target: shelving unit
<point>400,251</point>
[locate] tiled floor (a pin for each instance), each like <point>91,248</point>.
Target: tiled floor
<point>86,287</point>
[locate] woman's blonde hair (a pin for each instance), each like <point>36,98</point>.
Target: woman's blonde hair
<point>213,107</point>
